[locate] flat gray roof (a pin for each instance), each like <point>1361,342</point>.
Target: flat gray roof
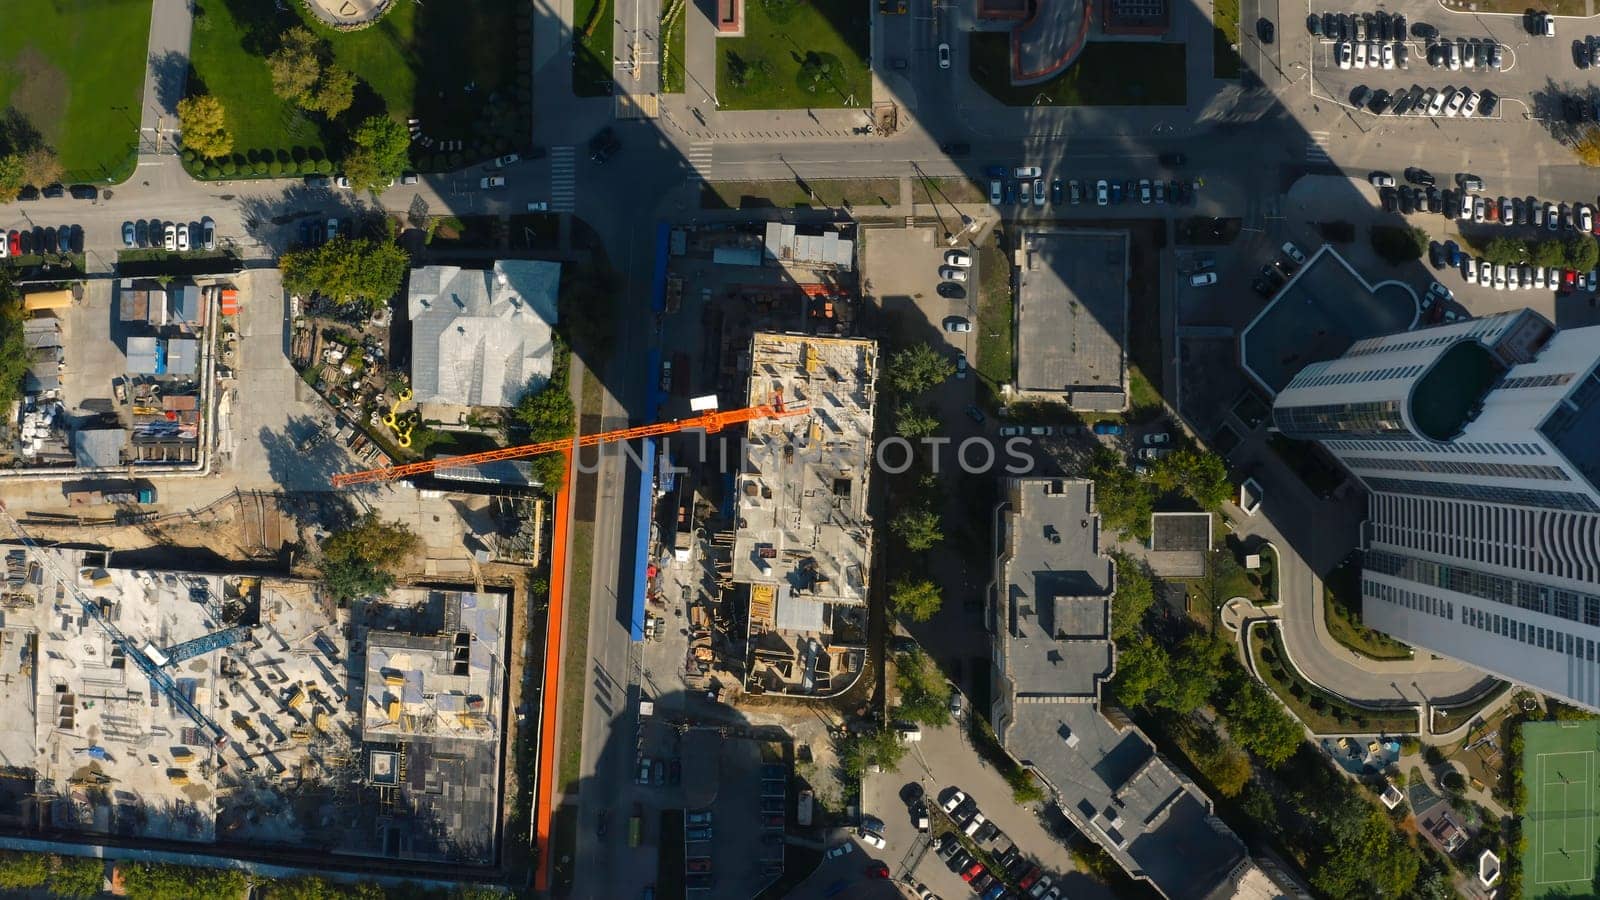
<point>1053,652</point>
<point>1325,307</point>
<point>1072,311</point>
<point>1180,531</point>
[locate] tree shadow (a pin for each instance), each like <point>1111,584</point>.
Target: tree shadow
<point>17,132</point>
<point>169,73</point>
<point>305,456</point>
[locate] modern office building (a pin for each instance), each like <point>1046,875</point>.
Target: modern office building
<point>1480,445</point>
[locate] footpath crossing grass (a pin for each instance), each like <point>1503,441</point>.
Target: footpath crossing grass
<point>1559,763</point>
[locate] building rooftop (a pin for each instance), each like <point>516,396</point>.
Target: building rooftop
<point>1449,394</point>
<point>1324,309</point>
<point>802,488</point>
<point>1072,312</point>
<point>257,739</point>
<point>1051,656</point>
<point>443,685</point>
<point>481,337</point>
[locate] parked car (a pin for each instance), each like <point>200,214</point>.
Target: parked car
<point>208,233</point>
<point>951,291</point>
<point>951,273</point>
<point>492,182</point>
<point>1202,279</point>
<point>128,234</point>
<point>1107,428</point>
<point>183,237</point>
<point>84,192</point>
<point>944,56</point>
<point>959,258</point>
<point>1102,192</point>
<point>957,325</point>
<point>1294,253</point>
<point>508,159</point>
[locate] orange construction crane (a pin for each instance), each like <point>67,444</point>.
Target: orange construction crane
<point>711,421</point>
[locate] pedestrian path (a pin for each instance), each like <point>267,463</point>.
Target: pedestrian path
<point>700,159</point>
<point>1317,147</point>
<point>563,179</point>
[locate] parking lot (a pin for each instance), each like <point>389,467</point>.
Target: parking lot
<point>1511,68</point>
<point>901,272</point>
<point>942,759</point>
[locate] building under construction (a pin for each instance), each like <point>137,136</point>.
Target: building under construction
<point>802,542</point>
<point>250,714</point>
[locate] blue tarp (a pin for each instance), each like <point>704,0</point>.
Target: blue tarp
<point>641,536</point>
<point>658,278</point>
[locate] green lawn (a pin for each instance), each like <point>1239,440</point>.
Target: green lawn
<point>1104,74</point>
<point>796,54</point>
<point>429,61</point>
<point>996,318</point>
<point>591,63</point>
<point>1225,60</point>
<point>1341,598</point>
<point>72,75</point>
<point>672,27</point>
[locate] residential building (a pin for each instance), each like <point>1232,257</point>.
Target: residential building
<point>1052,654</point>
<point>481,337</point>
<point>1479,442</point>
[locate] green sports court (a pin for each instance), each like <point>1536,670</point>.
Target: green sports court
<point>1561,767</point>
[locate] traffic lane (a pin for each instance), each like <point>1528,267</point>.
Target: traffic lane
<point>846,876</point>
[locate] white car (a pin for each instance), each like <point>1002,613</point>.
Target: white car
<point>1453,59</point>
<point>1102,192</point>
<point>1026,172</point>
<point>1439,100</point>
<point>1439,293</point>
<point>1499,277</point>
<point>873,839</point>
<point>506,160</point>
<point>342,181</point>
<point>959,258</point>
<point>1513,278</point>
<point>492,182</point>
<point>1361,55</point>
<point>1144,191</point>
<point>1038,192</point>
<point>1478,210</point>
<point>955,799</point>
<point>1203,279</point>
<point>1471,106</point>
<point>977,822</point>
<point>844,849</point>
<point>1585,218</point>
<point>170,238</point>
<point>1469,271</point>
<point>1466,206</point>
<point>1344,55</point>
<point>1552,217</point>
<point>1388,56</point>
<point>944,56</point>
<point>951,273</point>
<point>183,238</point>
<point>1293,252</point>
<point>1548,26</point>
<point>1485,273</point>
<point>1456,102</point>
<point>538,206</point>
<point>1381,179</point>
<point>996,192</point>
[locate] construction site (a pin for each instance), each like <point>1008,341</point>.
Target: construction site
<point>250,712</point>
<point>803,539</point>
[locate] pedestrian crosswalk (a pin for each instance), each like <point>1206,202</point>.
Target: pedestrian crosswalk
<point>1317,147</point>
<point>700,159</point>
<point>563,179</point>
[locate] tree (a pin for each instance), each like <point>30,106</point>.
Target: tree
<point>312,887</point>
<point>13,178</point>
<point>1398,244</point>
<point>13,344</point>
<point>1225,766</point>
<point>1549,254</point>
<point>1587,146</point>
<point>1142,669</point>
<point>1195,671</point>
<point>1260,725</point>
<point>1582,252</point>
<point>916,599</point>
<point>1366,858</point>
<point>861,751</point>
<point>18,169</point>
<point>23,870</point>
<point>917,368</point>
<point>348,271</point>
<point>1453,782</point>
<point>1124,499</point>
<point>334,93</point>
<point>1506,251</point>
<point>912,423</point>
<point>1203,476</point>
<point>157,881</point>
<point>296,66</point>
<point>205,126</point>
<point>380,150</point>
<point>1135,593</point>
<point>76,877</point>
<point>918,529</point>
<point>549,415</point>
<point>924,692</point>
<point>357,561</point>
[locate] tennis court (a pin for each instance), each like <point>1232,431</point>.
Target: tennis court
<point>1561,767</point>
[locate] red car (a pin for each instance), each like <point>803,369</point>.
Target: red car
<point>878,871</point>
<point>700,864</point>
<point>972,871</point>
<point>1028,879</point>
<point>16,244</point>
<point>1569,281</point>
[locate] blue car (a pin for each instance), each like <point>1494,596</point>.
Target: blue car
<point>1107,428</point>
<point>1116,192</point>
<point>1011,193</point>
<point>995,891</point>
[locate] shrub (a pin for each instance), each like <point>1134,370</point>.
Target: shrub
<point>306,166</point>
<point>259,167</point>
<point>1398,245</point>
<point>212,171</point>
<point>188,155</point>
<point>275,168</point>
<point>229,167</point>
<point>325,167</point>
<point>1317,704</point>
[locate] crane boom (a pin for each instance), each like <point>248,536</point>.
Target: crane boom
<point>711,421</point>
